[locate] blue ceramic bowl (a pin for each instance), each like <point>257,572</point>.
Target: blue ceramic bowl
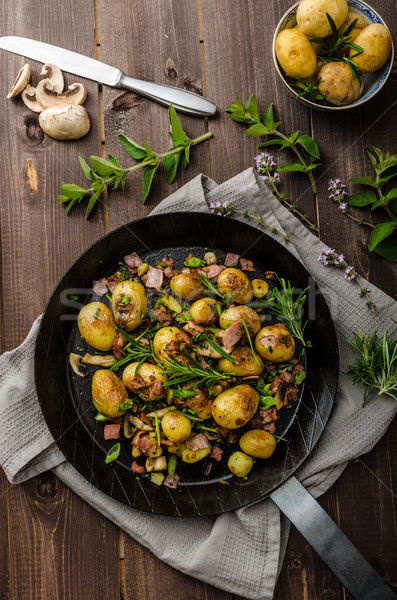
<point>373,82</point>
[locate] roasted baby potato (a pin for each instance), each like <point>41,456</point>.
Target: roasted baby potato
<point>97,326</point>
<point>261,287</point>
<point>312,19</point>
<point>108,391</point>
<point>247,365</point>
<point>129,304</point>
<point>150,374</point>
<point>176,427</point>
<point>234,407</point>
<point>295,53</point>
<point>338,85</point>
<point>187,286</point>
<point>258,443</point>
<point>192,456</point>
<point>169,342</point>
<point>236,284</point>
<point>240,464</point>
<point>241,313</point>
<point>275,343</point>
<point>317,46</point>
<point>204,310</point>
<point>201,403</point>
<point>376,42</point>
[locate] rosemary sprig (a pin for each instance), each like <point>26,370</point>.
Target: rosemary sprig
<point>335,43</point>
<point>135,351</point>
<point>209,285</point>
<point>250,344</point>
<point>289,310</point>
<point>221,351</point>
<point>178,373</point>
<point>376,366</point>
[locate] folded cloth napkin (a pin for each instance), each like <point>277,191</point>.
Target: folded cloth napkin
<point>242,551</point>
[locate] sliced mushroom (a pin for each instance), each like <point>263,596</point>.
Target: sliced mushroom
<point>29,98</point>
<point>54,74</point>
<point>65,122</point>
<point>75,361</point>
<point>48,97</point>
<point>156,464</point>
<point>161,412</point>
<point>20,82</point>
<point>100,361</point>
<point>140,424</point>
<point>127,426</point>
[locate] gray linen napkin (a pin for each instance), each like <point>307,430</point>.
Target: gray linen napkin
<point>240,552</point>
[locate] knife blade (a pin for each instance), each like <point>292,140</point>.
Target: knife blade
<point>90,68</point>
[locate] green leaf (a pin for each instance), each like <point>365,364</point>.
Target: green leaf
<point>103,167</point>
<point>92,202</point>
<point>393,205</point>
<point>268,120</point>
<point>133,149</point>
<point>252,107</point>
<point>381,232</point>
<point>236,106</point>
<point>361,199</point>
<point>388,248</point>
<point>274,142</point>
<point>257,130</point>
<point>171,163</point>
<point>63,199</point>
<point>333,26</point>
<point>310,146</point>
<point>85,167</point>
<point>73,191</point>
<point>364,180</point>
<point>391,194</point>
<point>176,127</point>
<point>292,167</point>
<point>186,156</point>
<point>293,137</point>
<point>114,161</point>
<point>148,174</point>
<point>70,205</point>
<point>149,151</point>
<point>113,453</point>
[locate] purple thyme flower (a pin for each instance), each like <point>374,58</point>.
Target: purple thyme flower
<point>264,162</point>
<point>326,256</point>
<point>220,208</point>
<point>271,180</point>
<point>337,190</point>
<point>342,206</point>
<point>339,261</point>
<point>350,273</point>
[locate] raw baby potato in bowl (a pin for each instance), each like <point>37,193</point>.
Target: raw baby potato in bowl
<point>333,54</point>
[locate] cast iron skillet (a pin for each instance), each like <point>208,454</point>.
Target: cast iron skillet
<point>66,401</point>
<point>66,398</point>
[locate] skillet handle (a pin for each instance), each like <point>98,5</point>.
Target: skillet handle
<point>330,543</point>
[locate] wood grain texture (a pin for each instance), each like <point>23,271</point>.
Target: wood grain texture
<point>4,537</point>
<point>60,547</point>
<point>159,42</point>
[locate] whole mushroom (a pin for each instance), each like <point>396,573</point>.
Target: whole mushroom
<point>65,122</point>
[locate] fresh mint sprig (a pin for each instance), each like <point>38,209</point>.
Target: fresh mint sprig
<point>104,173</point>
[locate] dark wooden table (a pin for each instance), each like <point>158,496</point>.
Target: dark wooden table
<point>53,545</point>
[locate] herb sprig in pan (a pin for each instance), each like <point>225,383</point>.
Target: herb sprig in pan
<point>109,173</point>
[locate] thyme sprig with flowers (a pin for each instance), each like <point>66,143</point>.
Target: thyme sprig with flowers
<point>104,173</point>
<point>304,147</point>
<point>338,193</point>
<point>376,366</point>
<point>328,257</point>
<point>225,209</point>
<point>265,165</point>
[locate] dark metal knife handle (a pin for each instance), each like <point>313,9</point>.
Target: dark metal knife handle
<point>330,543</point>
<point>182,100</point>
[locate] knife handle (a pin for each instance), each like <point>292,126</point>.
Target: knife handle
<point>182,100</point>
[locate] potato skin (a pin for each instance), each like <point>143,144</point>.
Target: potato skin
<point>240,464</point>
<point>359,26</point>
<point>338,84</point>
<point>241,313</point>
<point>99,332</point>
<point>235,283</point>
<point>261,287</point>
<point>108,391</point>
<point>201,403</point>
<point>164,336</point>
<point>129,304</point>
<point>187,286</point>
<point>279,339</point>
<point>192,456</point>
<point>258,443</point>
<point>247,364</point>
<point>376,42</point>
<point>234,407</point>
<point>176,427</point>
<point>295,53</point>
<point>204,309</point>
<point>312,19</point>
<point>147,371</point>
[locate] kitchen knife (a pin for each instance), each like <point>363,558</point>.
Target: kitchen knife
<point>78,64</point>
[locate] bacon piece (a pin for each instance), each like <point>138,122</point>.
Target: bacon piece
<point>275,383</point>
<point>246,265</point>
<point>270,427</point>
<point>211,271</point>
<point>160,315</point>
<point>156,390</point>
<point>118,344</point>
<point>240,422</point>
<point>269,415</point>
<point>172,482</point>
<point>164,263</point>
<point>135,468</point>
<point>223,431</point>
<point>269,341</point>
<point>291,394</point>
<point>137,438</point>
<point>216,453</point>
<point>203,363</point>
<point>132,260</point>
<point>111,432</point>
<point>175,346</point>
<point>145,443</point>
<point>286,376</point>
<point>111,284</point>
<point>144,342</point>
<point>154,278</point>
<point>294,361</point>
<point>101,288</point>
<point>250,377</point>
<point>170,273</point>
<point>270,275</point>
<point>192,328</point>
<point>233,334</point>
<point>231,260</point>
<point>198,442</point>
